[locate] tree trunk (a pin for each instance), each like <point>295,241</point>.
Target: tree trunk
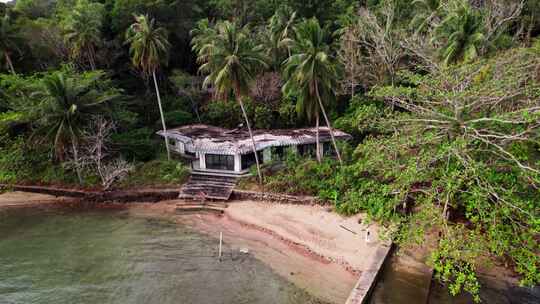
<point>238,97</point>
<point>318,145</point>
<point>76,159</point>
<point>328,123</point>
<point>162,117</point>
<point>91,58</point>
<point>9,63</point>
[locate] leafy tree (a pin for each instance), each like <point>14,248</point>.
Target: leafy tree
<point>10,41</point>
<point>34,9</point>
<point>231,60</point>
<point>312,74</point>
<point>461,33</point>
<point>148,48</point>
<point>474,133</point>
<point>67,105</point>
<point>83,30</point>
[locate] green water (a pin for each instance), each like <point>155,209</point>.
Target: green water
<point>110,257</point>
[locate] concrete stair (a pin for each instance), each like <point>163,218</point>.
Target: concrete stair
<point>198,207</point>
<point>208,187</point>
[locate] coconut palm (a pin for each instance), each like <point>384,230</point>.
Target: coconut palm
<point>461,32</point>
<point>312,75</point>
<point>66,106</point>
<point>231,60</point>
<point>148,48</point>
<point>277,37</point>
<point>425,12</point>
<point>83,30</point>
<point>202,34</point>
<point>9,41</point>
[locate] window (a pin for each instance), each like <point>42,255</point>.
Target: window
<point>248,160</point>
<point>328,149</point>
<point>307,150</point>
<point>278,153</point>
<point>219,162</point>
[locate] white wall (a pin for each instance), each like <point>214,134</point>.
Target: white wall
<point>237,163</point>
<point>267,155</point>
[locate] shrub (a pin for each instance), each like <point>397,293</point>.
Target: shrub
<point>136,144</point>
<point>157,172</point>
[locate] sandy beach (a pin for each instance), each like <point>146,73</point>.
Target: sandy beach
<point>313,247</point>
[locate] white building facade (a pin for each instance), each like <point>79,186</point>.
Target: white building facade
<point>230,152</point>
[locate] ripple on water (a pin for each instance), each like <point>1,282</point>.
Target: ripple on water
<point>108,257</point>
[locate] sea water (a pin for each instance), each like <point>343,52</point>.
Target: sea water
<point>100,257</point>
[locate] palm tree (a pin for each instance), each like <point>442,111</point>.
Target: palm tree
<point>277,38</point>
<point>230,58</point>
<point>67,105</point>
<point>83,30</point>
<point>148,47</point>
<point>312,74</point>
<point>425,12</point>
<point>461,32</point>
<point>202,34</point>
<point>9,41</point>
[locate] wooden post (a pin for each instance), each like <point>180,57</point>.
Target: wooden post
<point>220,243</point>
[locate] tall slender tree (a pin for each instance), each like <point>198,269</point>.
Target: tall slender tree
<point>148,48</point>
<point>83,30</point>
<point>312,75</point>
<point>9,41</point>
<point>231,59</point>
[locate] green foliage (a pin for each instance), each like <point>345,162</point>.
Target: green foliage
<point>10,41</point>
<point>157,173</point>
<point>67,103</point>
<point>136,144</point>
<point>311,71</point>
<point>223,113</point>
<point>454,163</point>
<point>229,56</point>
<point>34,8</point>
<point>177,118</point>
<point>364,116</point>
<point>462,31</point>
<point>82,30</point>
<point>148,44</point>
<point>229,114</point>
<point>447,122</point>
<point>22,163</point>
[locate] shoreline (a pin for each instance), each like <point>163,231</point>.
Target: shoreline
<point>305,244</point>
<point>303,253</point>
<point>308,256</point>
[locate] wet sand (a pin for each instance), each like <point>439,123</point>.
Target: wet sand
<point>24,199</point>
<point>314,248</point>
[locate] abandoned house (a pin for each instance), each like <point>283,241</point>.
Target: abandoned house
<point>230,152</point>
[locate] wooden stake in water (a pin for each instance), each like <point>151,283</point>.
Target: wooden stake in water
<point>220,242</point>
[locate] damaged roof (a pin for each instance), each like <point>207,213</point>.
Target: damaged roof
<point>211,139</point>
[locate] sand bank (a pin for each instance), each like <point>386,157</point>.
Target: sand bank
<point>316,249</point>
<point>24,199</point>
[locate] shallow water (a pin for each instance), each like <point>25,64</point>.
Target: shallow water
<point>400,284</point>
<point>110,257</point>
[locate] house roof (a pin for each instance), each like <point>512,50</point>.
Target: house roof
<point>210,139</point>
